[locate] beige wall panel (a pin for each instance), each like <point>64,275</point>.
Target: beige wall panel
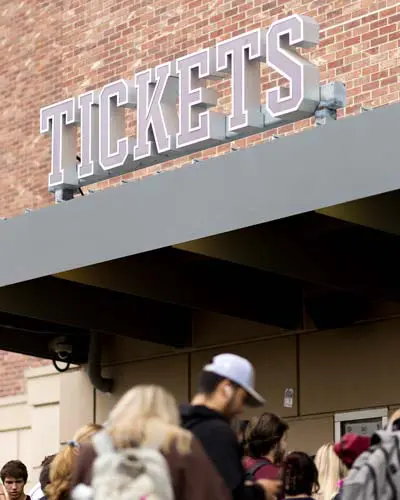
<point>308,434</point>
<point>44,389</point>
<point>124,350</point>
<point>25,446</point>
<point>8,446</point>
<point>46,430</point>
<point>211,329</point>
<point>275,363</point>
<point>171,372</point>
<point>14,416</point>
<point>76,403</point>
<point>352,368</point>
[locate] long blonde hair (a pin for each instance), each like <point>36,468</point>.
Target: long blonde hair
<point>147,415</point>
<point>330,471</point>
<point>62,465</point>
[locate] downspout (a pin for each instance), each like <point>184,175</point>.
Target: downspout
<point>99,382</point>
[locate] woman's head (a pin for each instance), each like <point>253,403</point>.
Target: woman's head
<point>330,471</point>
<point>350,447</point>
<point>147,415</point>
<point>62,464</point>
<point>266,436</point>
<point>299,475</point>
<point>44,477</point>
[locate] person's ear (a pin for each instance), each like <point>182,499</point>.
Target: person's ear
<point>228,391</point>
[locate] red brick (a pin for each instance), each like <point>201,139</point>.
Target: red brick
<point>378,24</point>
<point>370,86</point>
<point>388,81</point>
<point>335,64</point>
<point>343,69</point>
<point>352,24</point>
<point>380,75</point>
<point>352,41</point>
<point>379,41</point>
<point>12,367</point>
<point>370,35</point>
<point>388,29</point>
<point>370,18</point>
<point>370,69</point>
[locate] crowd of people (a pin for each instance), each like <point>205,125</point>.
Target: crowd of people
<point>151,449</point>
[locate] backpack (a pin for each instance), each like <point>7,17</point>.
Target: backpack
<point>128,474</point>
<point>251,473</point>
<point>375,474</point>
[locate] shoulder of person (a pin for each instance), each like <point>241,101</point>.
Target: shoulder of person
<point>220,428</point>
<point>82,470</point>
<point>201,477</point>
<point>87,453</point>
<point>194,458</point>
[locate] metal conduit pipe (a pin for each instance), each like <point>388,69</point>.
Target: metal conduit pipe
<point>99,382</point>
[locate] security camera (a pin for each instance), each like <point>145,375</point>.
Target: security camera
<point>61,348</point>
<point>62,351</point>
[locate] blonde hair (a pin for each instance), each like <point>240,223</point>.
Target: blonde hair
<point>330,471</point>
<point>147,415</point>
<point>62,465</point>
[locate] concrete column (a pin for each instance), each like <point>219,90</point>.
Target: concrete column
<point>76,403</point>
<point>43,398</point>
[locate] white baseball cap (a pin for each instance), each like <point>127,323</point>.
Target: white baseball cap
<point>238,370</point>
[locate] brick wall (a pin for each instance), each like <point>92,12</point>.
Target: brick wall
<point>12,367</point>
<point>53,49</point>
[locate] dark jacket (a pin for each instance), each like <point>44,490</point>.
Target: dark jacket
<point>193,475</point>
<point>220,443</point>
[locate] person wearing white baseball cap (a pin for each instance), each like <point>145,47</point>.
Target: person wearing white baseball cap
<point>225,387</point>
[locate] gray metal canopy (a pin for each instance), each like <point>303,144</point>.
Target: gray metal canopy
<point>346,160</point>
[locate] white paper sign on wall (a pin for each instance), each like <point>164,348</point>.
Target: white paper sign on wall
<point>288,398</point>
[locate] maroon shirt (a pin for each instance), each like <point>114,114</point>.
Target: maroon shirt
<point>267,471</point>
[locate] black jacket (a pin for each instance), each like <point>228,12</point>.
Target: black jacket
<point>220,443</point>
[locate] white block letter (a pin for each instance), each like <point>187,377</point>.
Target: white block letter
<point>198,126</point>
<point>301,99</point>
<point>59,120</point>
<point>89,111</point>
<point>116,150</point>
<point>157,116</point>
<point>241,56</point>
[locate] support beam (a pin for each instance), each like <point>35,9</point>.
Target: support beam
<point>377,212</point>
<point>89,308</point>
<point>352,262</point>
<point>197,282</point>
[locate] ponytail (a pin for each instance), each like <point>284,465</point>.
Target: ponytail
<point>62,466</point>
<point>61,473</point>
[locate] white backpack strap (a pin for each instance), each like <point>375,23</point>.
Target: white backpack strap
<point>158,470</point>
<point>102,442</point>
<point>82,492</point>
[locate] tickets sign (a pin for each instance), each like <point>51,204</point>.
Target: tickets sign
<point>174,105</point>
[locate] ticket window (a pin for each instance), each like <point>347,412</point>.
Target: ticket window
<point>364,422</point>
